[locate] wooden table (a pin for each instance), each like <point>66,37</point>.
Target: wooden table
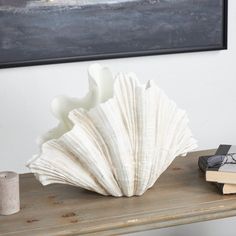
<point>180,196</point>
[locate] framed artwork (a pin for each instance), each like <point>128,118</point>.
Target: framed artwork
<point>34,32</point>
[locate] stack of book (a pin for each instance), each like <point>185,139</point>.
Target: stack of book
<point>221,168</point>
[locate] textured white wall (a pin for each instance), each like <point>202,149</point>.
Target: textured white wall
<point>202,83</point>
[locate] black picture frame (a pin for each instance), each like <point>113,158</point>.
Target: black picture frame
<point>126,54</point>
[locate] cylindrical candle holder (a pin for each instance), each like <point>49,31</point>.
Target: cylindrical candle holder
<point>9,193</point>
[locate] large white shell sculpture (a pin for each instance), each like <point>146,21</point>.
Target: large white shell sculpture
<point>121,145</point>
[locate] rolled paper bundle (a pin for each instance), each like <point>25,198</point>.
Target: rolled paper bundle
<point>9,193</point>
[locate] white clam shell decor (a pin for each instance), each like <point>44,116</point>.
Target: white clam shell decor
<point>121,144</point>
<point>100,89</point>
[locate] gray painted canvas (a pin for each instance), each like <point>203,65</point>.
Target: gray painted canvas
<point>47,31</point>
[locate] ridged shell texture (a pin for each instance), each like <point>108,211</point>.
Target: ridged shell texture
<point>121,146</point>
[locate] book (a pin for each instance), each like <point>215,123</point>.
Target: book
<point>224,188</point>
<point>224,149</point>
<point>221,167</point>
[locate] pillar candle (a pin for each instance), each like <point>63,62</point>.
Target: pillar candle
<point>9,193</point>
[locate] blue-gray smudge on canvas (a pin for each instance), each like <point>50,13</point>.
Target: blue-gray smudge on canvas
<point>47,29</point>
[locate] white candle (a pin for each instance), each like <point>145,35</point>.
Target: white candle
<point>9,193</point>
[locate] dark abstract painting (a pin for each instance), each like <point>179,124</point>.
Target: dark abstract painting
<point>51,31</point>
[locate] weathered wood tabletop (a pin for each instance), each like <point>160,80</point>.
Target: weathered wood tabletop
<point>180,196</point>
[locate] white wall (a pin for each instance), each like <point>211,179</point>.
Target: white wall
<point>202,83</point>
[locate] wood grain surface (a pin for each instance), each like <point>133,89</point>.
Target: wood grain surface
<point>180,196</point>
